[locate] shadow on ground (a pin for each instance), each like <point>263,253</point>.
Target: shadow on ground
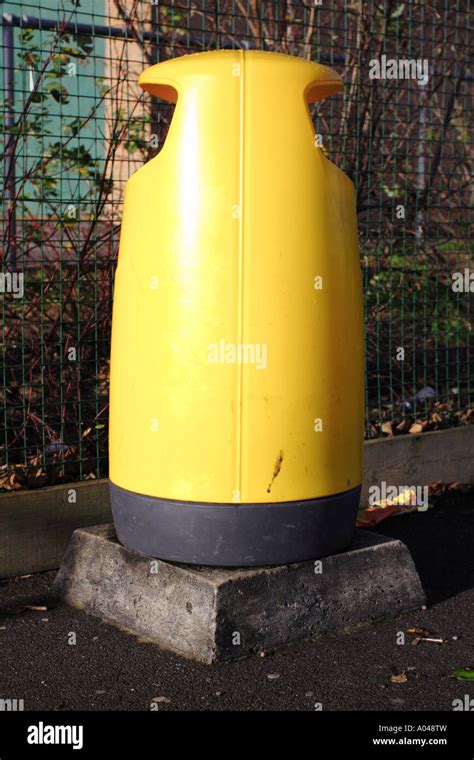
<point>441,542</point>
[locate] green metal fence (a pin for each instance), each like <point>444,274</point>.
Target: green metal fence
<point>75,126</point>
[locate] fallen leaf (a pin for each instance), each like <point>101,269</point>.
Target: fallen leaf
<point>400,678</point>
<point>464,674</point>
<point>404,426</point>
<point>419,631</point>
<point>36,607</point>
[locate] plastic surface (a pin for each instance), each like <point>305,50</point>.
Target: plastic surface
<point>237,535</point>
<point>233,378</point>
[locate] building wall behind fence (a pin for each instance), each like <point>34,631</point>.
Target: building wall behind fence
<point>75,126</point>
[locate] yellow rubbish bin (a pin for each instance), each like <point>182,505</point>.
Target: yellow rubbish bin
<point>236,403</point>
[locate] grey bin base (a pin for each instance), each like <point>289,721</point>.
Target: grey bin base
<point>234,535</point>
<point>216,614</point>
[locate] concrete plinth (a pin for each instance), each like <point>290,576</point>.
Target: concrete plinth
<point>213,614</point>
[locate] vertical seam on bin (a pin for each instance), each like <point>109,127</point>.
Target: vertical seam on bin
<point>240,295</point>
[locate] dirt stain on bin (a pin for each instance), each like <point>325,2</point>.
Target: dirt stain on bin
<point>276,470</point>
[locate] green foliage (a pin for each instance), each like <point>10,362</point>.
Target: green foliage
<point>51,66</point>
<point>401,286</point>
<point>464,674</point>
<point>136,139</point>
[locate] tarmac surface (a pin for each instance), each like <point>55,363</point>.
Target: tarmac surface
<point>107,669</point>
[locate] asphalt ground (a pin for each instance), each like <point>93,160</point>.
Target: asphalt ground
<point>107,669</point>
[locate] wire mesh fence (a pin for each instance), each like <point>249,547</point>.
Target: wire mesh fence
<point>75,125</point>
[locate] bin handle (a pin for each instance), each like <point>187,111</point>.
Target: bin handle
<point>321,88</point>
<point>324,82</point>
<point>166,89</point>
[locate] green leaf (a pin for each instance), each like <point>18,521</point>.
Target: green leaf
<point>398,11</point>
<point>464,674</point>
<point>37,97</point>
<point>392,192</point>
<point>26,35</point>
<point>73,127</point>
<point>86,42</point>
<point>58,92</point>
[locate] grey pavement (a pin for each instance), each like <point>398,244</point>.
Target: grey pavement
<point>107,669</point>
